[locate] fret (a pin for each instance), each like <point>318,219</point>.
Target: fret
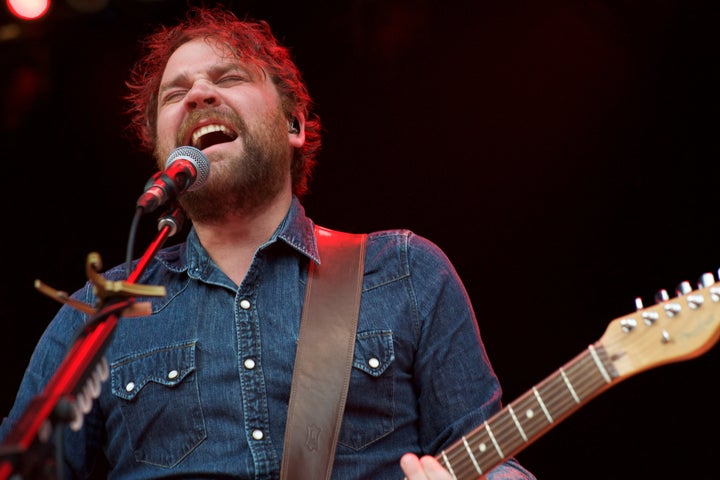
<point>471,456</point>
<point>542,405</point>
<point>517,423</point>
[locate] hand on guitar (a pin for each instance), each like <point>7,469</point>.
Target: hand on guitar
<point>423,468</point>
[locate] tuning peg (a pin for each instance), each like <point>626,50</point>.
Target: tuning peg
<point>661,296</point>
<point>683,288</point>
<point>706,279</point>
<point>638,303</point>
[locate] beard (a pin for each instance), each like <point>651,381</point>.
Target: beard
<point>244,183</point>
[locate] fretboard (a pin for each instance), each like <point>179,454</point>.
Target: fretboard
<point>526,419</point>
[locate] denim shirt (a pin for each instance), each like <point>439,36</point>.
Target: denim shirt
<point>200,388</point>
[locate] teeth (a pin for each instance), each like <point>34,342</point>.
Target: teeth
<point>210,129</point>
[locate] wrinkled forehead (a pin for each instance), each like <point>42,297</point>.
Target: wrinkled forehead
<point>205,51</point>
<point>221,48</point>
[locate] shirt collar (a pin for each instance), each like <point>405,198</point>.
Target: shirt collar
<point>296,230</point>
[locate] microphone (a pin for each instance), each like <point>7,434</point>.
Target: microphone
<point>186,169</point>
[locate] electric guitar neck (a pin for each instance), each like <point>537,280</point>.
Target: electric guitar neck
<point>672,330</point>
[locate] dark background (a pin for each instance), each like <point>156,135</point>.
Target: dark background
<point>562,153</point>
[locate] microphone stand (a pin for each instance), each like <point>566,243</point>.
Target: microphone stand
<point>26,449</point>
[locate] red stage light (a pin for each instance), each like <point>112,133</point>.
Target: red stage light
<point>28,9</point>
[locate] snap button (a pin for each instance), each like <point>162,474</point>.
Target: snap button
<point>374,362</point>
<point>130,387</point>
<point>249,363</point>
<point>244,304</point>
<point>257,434</point>
<point>173,374</point>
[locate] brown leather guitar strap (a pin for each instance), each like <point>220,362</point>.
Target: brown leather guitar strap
<point>323,362</point>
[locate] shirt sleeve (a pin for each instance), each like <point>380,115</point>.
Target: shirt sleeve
<point>457,386</point>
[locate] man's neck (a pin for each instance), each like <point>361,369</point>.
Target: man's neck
<point>233,241</point>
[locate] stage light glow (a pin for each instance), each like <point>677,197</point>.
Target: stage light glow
<point>28,9</point>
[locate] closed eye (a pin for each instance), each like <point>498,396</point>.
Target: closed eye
<point>232,80</point>
<point>173,96</point>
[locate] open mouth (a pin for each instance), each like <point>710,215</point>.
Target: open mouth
<point>209,135</point>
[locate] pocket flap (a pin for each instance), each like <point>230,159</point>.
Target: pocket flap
<point>373,351</point>
<point>167,366</point>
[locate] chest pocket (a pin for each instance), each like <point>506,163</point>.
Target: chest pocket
<point>160,403</point>
<point>370,405</point>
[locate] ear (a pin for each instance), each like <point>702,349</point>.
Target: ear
<point>296,130</point>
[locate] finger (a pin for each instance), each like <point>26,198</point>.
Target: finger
<point>412,467</point>
<point>433,469</point>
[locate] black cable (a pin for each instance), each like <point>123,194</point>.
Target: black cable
<point>129,252</point>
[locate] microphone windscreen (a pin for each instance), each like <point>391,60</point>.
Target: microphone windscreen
<point>197,158</point>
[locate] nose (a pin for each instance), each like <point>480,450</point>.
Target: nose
<point>201,95</point>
